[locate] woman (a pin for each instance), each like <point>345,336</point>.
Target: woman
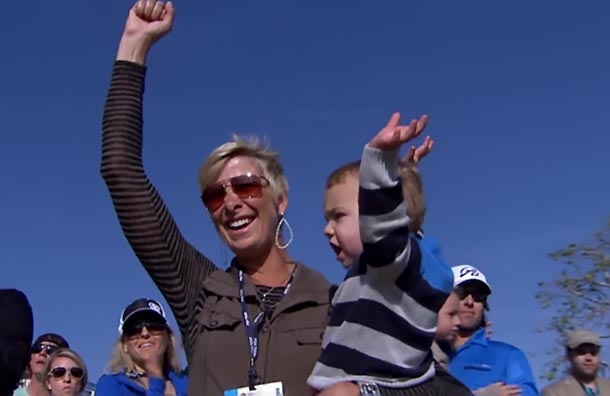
<point>65,373</point>
<point>261,320</point>
<point>42,348</point>
<point>144,360</point>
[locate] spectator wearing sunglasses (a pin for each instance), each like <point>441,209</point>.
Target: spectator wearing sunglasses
<point>482,364</point>
<point>16,333</point>
<point>65,373</point>
<point>42,348</point>
<point>144,360</point>
<point>583,352</point>
<point>263,318</point>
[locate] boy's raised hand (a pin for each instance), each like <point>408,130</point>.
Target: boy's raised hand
<point>416,154</point>
<point>393,135</point>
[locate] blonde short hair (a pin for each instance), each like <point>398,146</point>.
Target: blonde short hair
<point>70,354</point>
<point>121,362</point>
<point>252,147</point>
<point>412,189</point>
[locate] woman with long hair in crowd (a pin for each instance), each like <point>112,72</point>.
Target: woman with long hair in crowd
<point>144,359</point>
<point>65,373</point>
<point>261,320</point>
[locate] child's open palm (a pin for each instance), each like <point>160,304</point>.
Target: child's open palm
<point>393,135</point>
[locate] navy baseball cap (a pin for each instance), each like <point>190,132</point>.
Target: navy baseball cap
<point>141,306</point>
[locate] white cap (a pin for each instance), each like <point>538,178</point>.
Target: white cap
<point>465,272</point>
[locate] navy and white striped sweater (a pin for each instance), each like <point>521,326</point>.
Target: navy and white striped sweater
<point>384,313</point>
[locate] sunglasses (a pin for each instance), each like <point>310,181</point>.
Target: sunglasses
<point>477,294</point>
<point>60,372</point>
<point>135,329</point>
<point>48,348</point>
<point>587,350</point>
<point>244,186</point>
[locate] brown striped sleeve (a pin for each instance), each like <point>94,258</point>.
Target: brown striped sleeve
<point>175,266</point>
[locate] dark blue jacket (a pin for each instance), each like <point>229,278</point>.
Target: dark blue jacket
<point>481,362</point>
<point>121,385</point>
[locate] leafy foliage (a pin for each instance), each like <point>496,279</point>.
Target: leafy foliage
<point>580,295</point>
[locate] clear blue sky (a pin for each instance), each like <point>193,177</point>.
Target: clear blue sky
<point>517,93</point>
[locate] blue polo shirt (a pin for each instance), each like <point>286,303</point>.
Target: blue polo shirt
<point>481,362</point>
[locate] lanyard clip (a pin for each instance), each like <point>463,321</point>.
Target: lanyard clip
<point>252,378</point>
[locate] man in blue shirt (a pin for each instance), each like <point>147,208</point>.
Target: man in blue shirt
<point>476,360</point>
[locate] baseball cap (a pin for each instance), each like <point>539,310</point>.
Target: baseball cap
<point>582,336</point>
<point>464,273</point>
<point>139,306</point>
<point>52,338</point>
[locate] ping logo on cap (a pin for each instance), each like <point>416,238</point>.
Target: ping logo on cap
<point>469,270</point>
<point>155,307</point>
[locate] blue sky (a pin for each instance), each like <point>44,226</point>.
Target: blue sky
<point>517,93</point>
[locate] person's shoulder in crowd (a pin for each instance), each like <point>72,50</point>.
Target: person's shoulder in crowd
<point>568,386</point>
<point>120,384</point>
<point>488,351</point>
<point>604,383</point>
<point>503,351</point>
<point>501,346</point>
<point>314,276</point>
<point>434,268</point>
<point>21,391</point>
<point>440,355</point>
<point>564,386</point>
<point>108,382</point>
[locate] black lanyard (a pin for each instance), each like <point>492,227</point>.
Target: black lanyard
<point>252,329</point>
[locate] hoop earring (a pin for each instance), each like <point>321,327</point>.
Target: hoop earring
<point>278,233</point>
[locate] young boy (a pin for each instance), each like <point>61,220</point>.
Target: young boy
<point>384,314</point>
<point>343,182</point>
<point>446,329</point>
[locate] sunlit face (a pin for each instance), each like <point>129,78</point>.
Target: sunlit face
<point>67,384</point>
<point>448,319</point>
<point>342,223</point>
<point>39,359</point>
<point>145,338</point>
<point>247,225</point>
<point>585,360</point>
<point>473,295</point>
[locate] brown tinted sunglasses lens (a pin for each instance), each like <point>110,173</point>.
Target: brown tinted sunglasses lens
<point>245,186</point>
<point>213,197</point>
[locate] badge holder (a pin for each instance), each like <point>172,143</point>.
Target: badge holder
<point>270,389</point>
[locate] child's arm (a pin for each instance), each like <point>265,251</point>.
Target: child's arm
<point>383,218</point>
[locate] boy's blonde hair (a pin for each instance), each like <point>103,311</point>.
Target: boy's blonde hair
<point>252,147</point>
<point>412,189</point>
<point>340,174</point>
<point>65,353</point>
<point>121,362</point>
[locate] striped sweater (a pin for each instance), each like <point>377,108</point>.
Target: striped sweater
<point>384,314</point>
<point>176,267</point>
